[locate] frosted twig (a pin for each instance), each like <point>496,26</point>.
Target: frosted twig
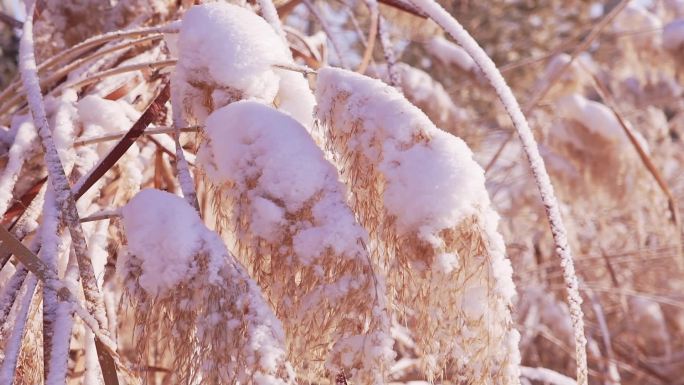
<point>379,27</point>
<point>50,244</point>
<point>295,68</point>
<point>388,50</point>
<point>10,293</point>
<point>185,180</point>
<point>101,215</point>
<point>64,198</point>
<point>463,38</point>
<point>18,152</point>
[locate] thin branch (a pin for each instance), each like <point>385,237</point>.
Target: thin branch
<point>329,33</point>
<point>120,70</point>
<point>13,348</point>
<point>372,33</point>
<point>185,180</point>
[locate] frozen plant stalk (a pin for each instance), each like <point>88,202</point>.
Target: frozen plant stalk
<point>422,195</point>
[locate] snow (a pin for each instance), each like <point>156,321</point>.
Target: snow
<point>595,116</point>
<point>449,53</point>
<point>453,178</point>
<point>164,235</point>
<point>232,45</point>
<point>673,35</point>
<point>250,144</point>
<point>546,376</point>
<point>232,51</point>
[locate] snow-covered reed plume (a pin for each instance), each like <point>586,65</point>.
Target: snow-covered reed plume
<point>228,53</point>
<point>423,198</point>
<point>275,191</point>
<point>192,296</point>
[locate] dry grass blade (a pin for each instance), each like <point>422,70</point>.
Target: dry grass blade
<point>152,113</point>
<point>24,201</point>
<point>372,33</point>
<point>120,70</point>
<point>646,160</point>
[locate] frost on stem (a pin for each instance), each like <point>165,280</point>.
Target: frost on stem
<point>227,53</point>
<point>273,187</point>
<point>422,195</point>
<point>191,297</point>
<point>56,173</point>
<point>494,76</point>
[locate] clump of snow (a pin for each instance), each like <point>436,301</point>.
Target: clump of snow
<point>595,116</point>
<point>272,157</point>
<point>428,95</point>
<point>164,235</point>
<point>450,53</point>
<point>229,52</point>
<point>673,35</point>
<point>233,46</point>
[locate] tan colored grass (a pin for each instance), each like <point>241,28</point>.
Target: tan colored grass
<point>333,310</point>
<point>459,319</point>
<point>206,330</point>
